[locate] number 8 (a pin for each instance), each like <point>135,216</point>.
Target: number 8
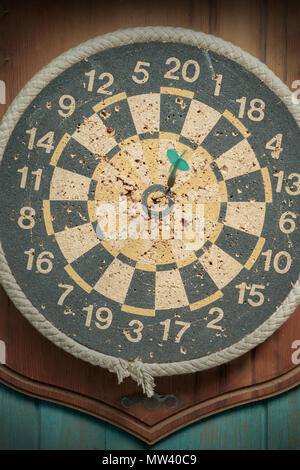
<point>26,213</point>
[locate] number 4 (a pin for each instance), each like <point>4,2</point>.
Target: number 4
<point>275,145</point>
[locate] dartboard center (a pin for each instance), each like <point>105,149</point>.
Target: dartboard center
<point>134,183</point>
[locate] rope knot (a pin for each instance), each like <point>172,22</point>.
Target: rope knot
<point>137,371</point>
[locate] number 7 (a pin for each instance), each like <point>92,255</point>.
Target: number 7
<point>64,294</point>
<point>185,326</point>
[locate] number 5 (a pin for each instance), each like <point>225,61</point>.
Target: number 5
<point>139,69</point>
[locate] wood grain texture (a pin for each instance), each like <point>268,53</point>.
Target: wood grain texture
<point>270,31</point>
<point>16,419</point>
<point>33,424</point>
<point>284,422</point>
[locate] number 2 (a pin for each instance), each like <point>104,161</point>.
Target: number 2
<point>213,323</point>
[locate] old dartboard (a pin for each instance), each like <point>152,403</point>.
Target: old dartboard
<point>100,132</point>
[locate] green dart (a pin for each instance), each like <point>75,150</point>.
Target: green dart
<point>177,163</point>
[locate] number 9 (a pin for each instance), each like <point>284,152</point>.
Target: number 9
<point>69,108</point>
<point>103,322</point>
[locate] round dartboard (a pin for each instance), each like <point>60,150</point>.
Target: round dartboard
<point>150,200</point>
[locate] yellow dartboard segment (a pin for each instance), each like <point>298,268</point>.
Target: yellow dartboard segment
<point>151,191</point>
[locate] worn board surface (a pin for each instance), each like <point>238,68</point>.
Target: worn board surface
<point>264,370</point>
<point>123,249</point>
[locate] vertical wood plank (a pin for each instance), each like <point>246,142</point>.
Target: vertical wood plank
<point>284,421</point>
<point>238,429</point>
<point>63,428</point>
<point>275,33</point>
<point>200,13</point>
<point>116,439</point>
<point>240,23</point>
<point>19,421</point>
<point>293,41</point>
<point>142,13</point>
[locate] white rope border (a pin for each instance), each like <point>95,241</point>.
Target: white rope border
<point>142,373</point>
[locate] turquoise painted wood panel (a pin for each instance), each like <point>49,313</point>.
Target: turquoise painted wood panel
<point>120,440</point>
<point>27,423</point>
<point>64,428</point>
<point>284,421</point>
<point>239,428</point>
<point>19,420</point>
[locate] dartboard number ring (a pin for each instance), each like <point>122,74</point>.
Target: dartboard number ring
<point>152,197</point>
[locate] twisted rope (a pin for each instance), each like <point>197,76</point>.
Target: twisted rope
<point>142,373</point>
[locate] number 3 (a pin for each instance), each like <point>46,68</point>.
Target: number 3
<point>137,331</point>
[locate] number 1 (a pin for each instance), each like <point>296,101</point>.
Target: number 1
<point>37,174</point>
<point>218,78</point>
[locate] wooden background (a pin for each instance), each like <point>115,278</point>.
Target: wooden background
<point>31,34</point>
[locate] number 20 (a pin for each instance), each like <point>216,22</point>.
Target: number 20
<point>189,64</point>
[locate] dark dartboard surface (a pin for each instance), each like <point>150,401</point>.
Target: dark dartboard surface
<point>110,130</point>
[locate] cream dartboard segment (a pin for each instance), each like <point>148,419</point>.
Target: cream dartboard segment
<point>150,200</point>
